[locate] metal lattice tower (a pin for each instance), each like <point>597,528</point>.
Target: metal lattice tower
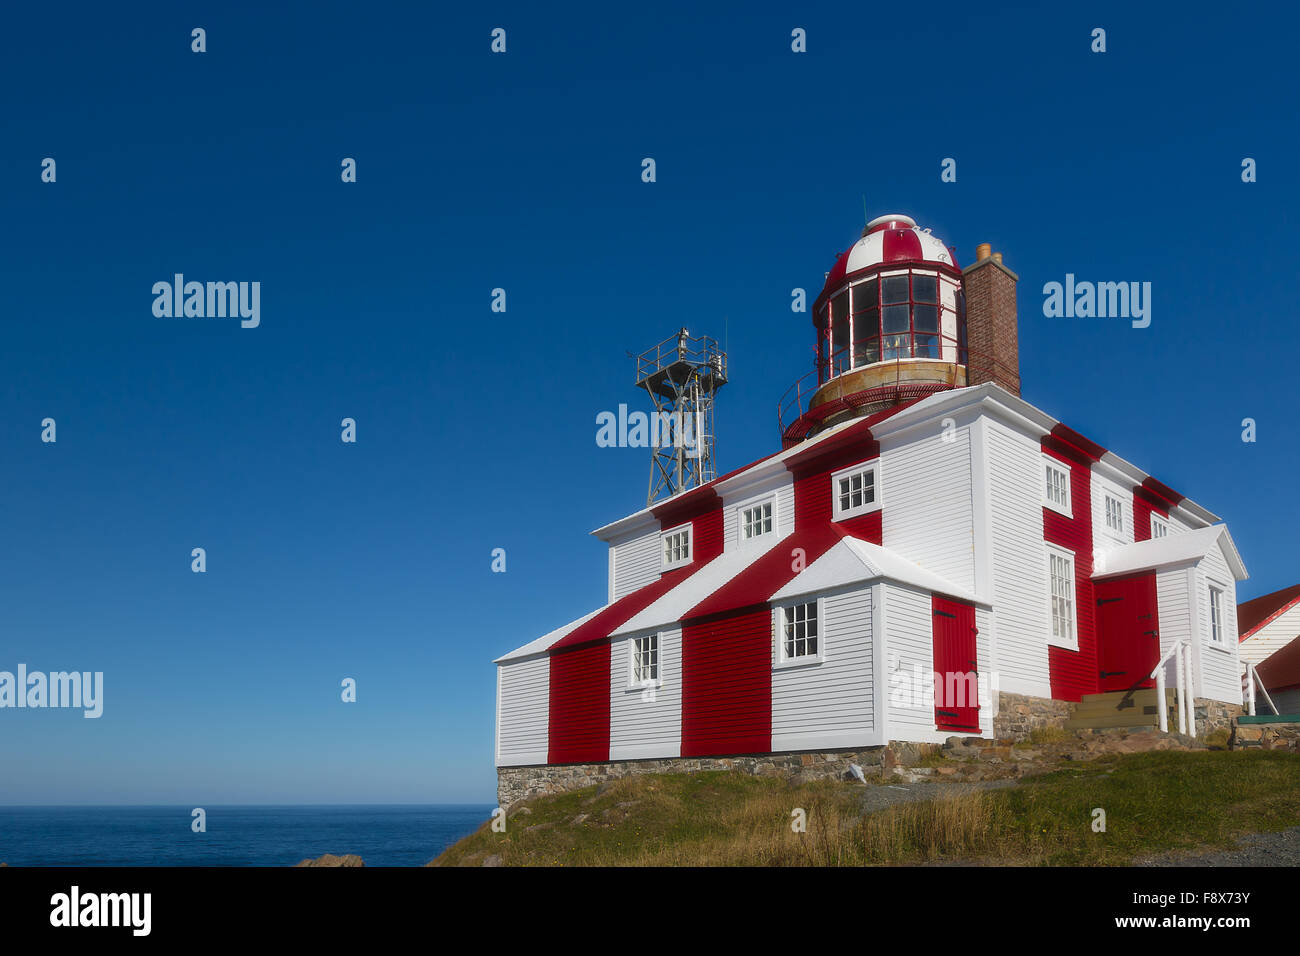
<point>681,374</point>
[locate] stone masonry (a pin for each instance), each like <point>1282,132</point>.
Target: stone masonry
<point>1214,715</point>
<point>1019,716</point>
<point>521,783</point>
<point>1266,737</point>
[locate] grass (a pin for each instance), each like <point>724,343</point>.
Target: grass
<point>1154,802</point>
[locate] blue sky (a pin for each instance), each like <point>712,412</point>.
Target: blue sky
<point>476,430</point>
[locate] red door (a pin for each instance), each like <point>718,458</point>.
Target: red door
<point>1128,632</point>
<point>956,674</point>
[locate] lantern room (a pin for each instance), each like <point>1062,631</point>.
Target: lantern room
<point>895,295</point>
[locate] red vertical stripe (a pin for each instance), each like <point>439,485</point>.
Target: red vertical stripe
<point>579,704</point>
<point>727,684</point>
<point>1074,673</point>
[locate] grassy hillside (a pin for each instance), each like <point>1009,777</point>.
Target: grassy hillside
<point>1153,802</point>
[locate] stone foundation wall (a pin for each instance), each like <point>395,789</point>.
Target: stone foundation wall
<point>1213,715</point>
<point>1020,715</point>
<point>1265,737</point>
<point>521,783</point>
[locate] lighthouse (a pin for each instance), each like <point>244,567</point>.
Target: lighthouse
<point>898,320</point>
<point>922,526</point>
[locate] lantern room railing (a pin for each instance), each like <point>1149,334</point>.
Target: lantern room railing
<point>895,381</point>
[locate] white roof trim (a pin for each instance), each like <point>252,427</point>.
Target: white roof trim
<point>1155,553</point>
<point>760,470</point>
<point>853,561</point>
<point>672,606</point>
<point>546,640</point>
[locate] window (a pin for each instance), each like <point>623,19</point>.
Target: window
<point>797,639</point>
<point>1159,527</point>
<point>1114,515</point>
<point>1216,615</point>
<point>645,660</point>
<point>755,521</point>
<point>1061,576</point>
<point>854,491</point>
<point>677,546</point>
<point>1056,489</point>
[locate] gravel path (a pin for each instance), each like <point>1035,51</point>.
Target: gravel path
<point>1258,849</point>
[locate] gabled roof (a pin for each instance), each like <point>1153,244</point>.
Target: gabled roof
<point>546,640</point>
<point>675,605</point>
<point>853,561</point>
<point>1255,613</point>
<point>1168,551</point>
<point>758,582</point>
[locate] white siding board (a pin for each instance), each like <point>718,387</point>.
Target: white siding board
<point>1272,637</point>
<point>1218,666</point>
<point>637,562</point>
<point>831,704</point>
<point>1019,572</point>
<point>523,711</point>
<point>927,513</point>
<point>645,728</point>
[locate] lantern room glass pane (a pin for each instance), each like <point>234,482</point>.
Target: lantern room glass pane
<point>896,318</point>
<point>866,295</point>
<point>927,346</point>
<point>925,289</point>
<point>839,345</point>
<point>897,346</point>
<point>866,351</point>
<point>925,318</point>
<point>895,289</point>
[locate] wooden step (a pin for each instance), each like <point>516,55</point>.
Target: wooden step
<point>1126,719</point>
<point>1095,710</point>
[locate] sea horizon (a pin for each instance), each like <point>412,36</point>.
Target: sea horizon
<point>402,834</point>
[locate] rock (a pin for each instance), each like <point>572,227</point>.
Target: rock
<point>329,859</point>
<point>581,817</point>
<point>493,860</point>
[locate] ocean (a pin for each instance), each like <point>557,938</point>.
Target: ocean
<point>382,835</point>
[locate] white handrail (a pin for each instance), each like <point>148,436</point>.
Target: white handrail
<point>1181,653</point>
<point>1256,682</point>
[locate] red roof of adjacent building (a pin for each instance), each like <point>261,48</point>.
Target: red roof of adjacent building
<point>1282,669</point>
<point>1254,614</point>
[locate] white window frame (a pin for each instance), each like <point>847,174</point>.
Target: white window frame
<point>866,508</point>
<point>1063,469</point>
<point>690,546</point>
<point>633,652</point>
<point>1159,522</point>
<point>1107,498</point>
<point>779,660</point>
<point>752,503</point>
<point>1215,588</point>
<point>1052,550</point>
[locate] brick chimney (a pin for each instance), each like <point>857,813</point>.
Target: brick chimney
<point>991,330</point>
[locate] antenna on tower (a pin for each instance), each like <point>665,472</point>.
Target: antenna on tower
<point>682,375</point>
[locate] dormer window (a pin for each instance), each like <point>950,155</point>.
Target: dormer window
<point>755,520</point>
<point>1056,488</point>
<point>1114,515</point>
<point>676,547</point>
<point>855,491</point>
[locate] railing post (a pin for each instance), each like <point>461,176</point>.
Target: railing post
<point>1250,689</point>
<point>1162,707</point>
<point>1180,673</point>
